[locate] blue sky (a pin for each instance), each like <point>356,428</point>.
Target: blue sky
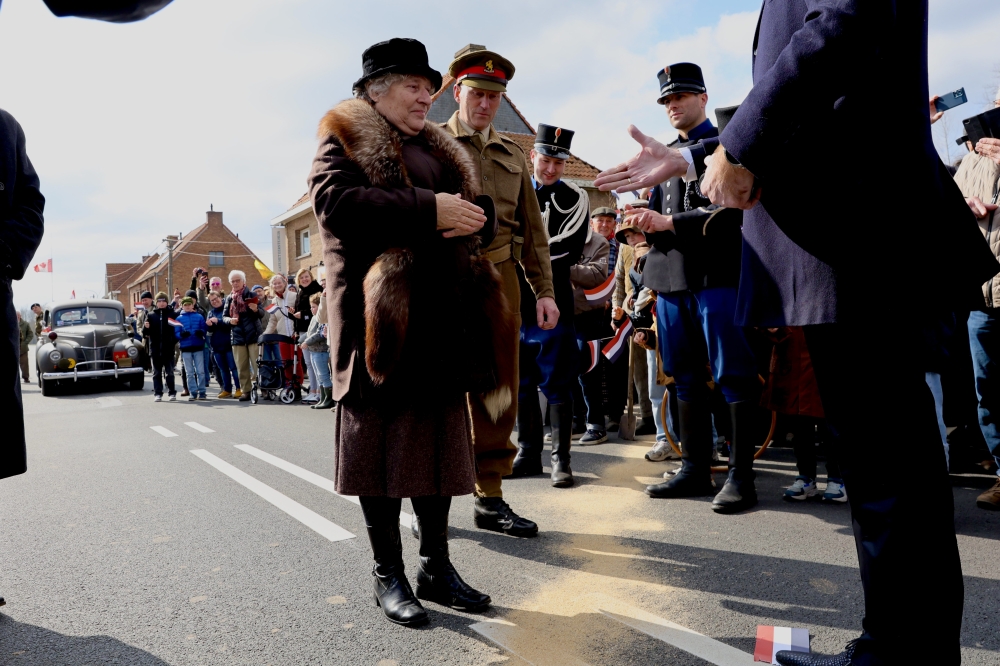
<point>136,129</point>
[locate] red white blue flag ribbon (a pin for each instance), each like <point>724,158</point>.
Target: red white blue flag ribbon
<point>771,640</point>
<point>174,322</point>
<point>272,308</point>
<point>594,346</point>
<point>602,293</point>
<point>618,344</point>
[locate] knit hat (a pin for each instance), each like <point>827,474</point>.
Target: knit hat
<point>187,300</point>
<point>145,294</point>
<point>162,296</point>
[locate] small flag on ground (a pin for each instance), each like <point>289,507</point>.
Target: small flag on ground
<point>618,343</point>
<point>44,267</point>
<point>771,640</point>
<point>174,322</point>
<point>272,308</point>
<point>602,293</point>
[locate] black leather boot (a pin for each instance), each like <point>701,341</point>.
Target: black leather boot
<point>392,590</point>
<point>528,461</point>
<point>739,493</point>
<point>694,479</point>
<point>437,579</point>
<point>562,440</point>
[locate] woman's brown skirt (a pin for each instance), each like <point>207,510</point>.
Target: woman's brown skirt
<point>404,451</point>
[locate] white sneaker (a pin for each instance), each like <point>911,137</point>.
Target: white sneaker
<point>662,451</point>
<point>157,398</point>
<point>802,489</point>
<point>173,397</point>
<point>835,492</point>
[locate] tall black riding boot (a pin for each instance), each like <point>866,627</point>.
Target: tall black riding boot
<point>437,579</point>
<point>528,461</point>
<point>694,479</point>
<point>562,439</point>
<point>392,590</point>
<point>740,493</point>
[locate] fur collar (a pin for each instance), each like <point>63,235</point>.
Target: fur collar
<point>377,147</point>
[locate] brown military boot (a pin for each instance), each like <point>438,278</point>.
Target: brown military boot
<point>990,500</point>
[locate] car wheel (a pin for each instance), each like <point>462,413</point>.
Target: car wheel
<point>48,387</point>
<point>136,382</point>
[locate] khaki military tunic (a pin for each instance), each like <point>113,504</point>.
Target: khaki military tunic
<point>506,177</point>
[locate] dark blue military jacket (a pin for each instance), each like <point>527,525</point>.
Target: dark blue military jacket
<point>704,248</point>
<point>831,239</point>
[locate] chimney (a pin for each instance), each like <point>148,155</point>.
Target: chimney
<point>214,217</point>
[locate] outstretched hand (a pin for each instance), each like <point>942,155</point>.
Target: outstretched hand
<point>653,164</point>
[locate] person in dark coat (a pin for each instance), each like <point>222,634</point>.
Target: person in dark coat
<point>815,67</point>
<point>549,357</point>
<point>220,341</point>
<point>21,206</point>
<point>162,341</point>
<point>694,266</point>
<point>414,313</point>
<point>243,313</point>
<point>307,286</point>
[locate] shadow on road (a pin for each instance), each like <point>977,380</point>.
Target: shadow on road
<point>30,645</point>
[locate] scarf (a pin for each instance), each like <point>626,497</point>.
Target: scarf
<point>238,306</point>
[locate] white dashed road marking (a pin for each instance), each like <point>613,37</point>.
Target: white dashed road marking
<point>163,431</point>
<point>197,426</point>
<point>405,519</point>
<point>307,517</point>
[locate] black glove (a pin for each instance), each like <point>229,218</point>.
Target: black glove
<point>185,334</point>
<point>200,334</point>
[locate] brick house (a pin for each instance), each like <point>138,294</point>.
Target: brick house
<point>295,239</point>
<point>212,246</point>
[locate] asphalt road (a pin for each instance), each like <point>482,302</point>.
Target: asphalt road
<point>122,546</point>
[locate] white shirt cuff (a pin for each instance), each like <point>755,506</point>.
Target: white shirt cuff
<point>691,174</point>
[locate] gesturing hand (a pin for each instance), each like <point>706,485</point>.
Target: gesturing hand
<point>980,209</point>
<point>547,313</point>
<point>654,164</point>
<point>457,216</point>
<point>649,221</point>
<point>989,147</point>
<point>728,185</point>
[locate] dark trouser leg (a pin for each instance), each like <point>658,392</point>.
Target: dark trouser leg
<point>891,522</point>
<point>23,361</point>
<point>804,446</point>
<point>592,395</point>
<point>157,375</point>
<point>984,338</point>
<point>392,590</point>
<point>695,476</point>
<point>528,461</point>
<point>739,492</point>
<point>437,579</point>
<point>832,461</point>
<point>556,362</point>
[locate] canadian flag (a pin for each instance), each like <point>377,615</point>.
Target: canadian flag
<point>44,267</point>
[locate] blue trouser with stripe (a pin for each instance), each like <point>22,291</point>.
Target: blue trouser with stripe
<point>695,329</point>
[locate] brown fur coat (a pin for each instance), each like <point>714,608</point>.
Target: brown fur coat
<point>374,146</point>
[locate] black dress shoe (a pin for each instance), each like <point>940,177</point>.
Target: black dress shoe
<point>789,658</point>
<point>526,465</point>
<point>735,496</point>
<point>438,581</point>
<point>687,482</point>
<point>492,513</point>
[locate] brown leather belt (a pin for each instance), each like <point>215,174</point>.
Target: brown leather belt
<point>499,255</point>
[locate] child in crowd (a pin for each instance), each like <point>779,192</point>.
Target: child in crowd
<point>319,354</point>
<point>191,331</point>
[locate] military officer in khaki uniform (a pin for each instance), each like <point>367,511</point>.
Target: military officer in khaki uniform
<point>481,78</point>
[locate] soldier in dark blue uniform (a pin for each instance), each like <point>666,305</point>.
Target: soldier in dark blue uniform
<point>694,266</point>
<point>549,359</point>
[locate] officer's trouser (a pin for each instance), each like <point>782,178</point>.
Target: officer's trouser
<point>491,441</point>
<point>23,360</point>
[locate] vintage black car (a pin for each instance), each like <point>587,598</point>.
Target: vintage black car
<point>87,339</point>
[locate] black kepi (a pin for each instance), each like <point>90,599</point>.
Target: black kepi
<point>553,141</point>
<point>400,56</point>
<point>682,77</point>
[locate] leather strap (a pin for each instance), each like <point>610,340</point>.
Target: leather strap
<point>499,255</point>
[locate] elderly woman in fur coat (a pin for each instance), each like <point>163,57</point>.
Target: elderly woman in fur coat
<point>414,316</point>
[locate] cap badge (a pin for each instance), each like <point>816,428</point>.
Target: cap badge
<point>558,133</point>
<point>488,67</point>
<point>666,70</point>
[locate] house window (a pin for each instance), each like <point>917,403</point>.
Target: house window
<point>216,258</point>
<point>304,243</point>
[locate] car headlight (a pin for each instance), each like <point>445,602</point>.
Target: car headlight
<point>55,355</point>
<point>132,351</point>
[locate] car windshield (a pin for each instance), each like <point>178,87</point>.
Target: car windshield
<point>87,315</point>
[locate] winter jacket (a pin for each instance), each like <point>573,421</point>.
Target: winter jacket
<point>280,322</point>
<point>590,272</point>
<point>980,177</point>
<point>161,336</point>
<point>305,293</point>
<point>314,339</point>
<point>192,332</point>
<point>248,329</point>
<point>220,333</point>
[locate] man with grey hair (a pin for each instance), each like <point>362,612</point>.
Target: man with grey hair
<point>242,311</point>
